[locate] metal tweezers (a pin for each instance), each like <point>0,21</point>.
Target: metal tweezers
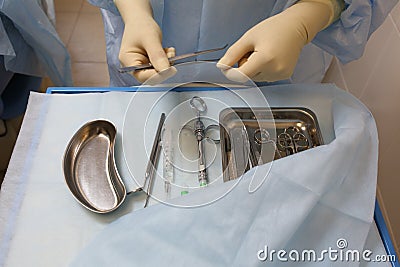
<point>152,164</point>
<point>171,60</point>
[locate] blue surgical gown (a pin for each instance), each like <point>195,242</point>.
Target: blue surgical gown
<point>30,48</point>
<point>30,44</point>
<point>190,25</point>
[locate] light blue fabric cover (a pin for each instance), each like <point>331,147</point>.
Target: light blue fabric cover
<point>309,200</point>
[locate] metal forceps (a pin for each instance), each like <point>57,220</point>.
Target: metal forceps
<point>172,59</point>
<point>200,132</point>
<point>153,159</point>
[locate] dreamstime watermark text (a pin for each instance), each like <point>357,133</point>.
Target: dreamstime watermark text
<point>334,254</point>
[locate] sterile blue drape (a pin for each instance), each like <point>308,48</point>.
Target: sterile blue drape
<point>309,200</point>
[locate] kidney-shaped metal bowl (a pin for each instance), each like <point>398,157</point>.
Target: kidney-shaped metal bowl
<point>90,170</point>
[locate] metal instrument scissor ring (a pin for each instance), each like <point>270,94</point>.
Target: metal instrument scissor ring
<point>292,140</point>
<point>262,136</point>
<point>210,132</point>
<point>172,59</point>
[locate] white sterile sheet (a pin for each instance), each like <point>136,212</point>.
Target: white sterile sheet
<point>309,200</point>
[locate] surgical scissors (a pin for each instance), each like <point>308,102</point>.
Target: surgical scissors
<point>292,140</point>
<point>261,137</point>
<point>172,59</point>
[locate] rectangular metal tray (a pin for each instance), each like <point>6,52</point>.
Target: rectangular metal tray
<point>254,136</point>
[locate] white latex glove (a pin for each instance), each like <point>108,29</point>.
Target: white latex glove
<point>269,51</point>
<point>141,41</point>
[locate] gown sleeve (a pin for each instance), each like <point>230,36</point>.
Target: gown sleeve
<point>30,44</point>
<point>105,4</point>
<point>346,37</point>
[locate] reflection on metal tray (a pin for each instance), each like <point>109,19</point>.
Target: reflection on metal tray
<point>253,136</point>
<point>89,167</point>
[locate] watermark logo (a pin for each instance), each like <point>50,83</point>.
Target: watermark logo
<point>340,253</point>
<point>341,243</point>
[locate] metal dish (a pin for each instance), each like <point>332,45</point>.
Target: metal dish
<point>254,136</point>
<point>89,167</point>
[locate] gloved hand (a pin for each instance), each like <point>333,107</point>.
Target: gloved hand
<point>141,41</point>
<point>269,51</point>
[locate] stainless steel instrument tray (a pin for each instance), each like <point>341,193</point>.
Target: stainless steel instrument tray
<point>89,167</point>
<point>253,136</point>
